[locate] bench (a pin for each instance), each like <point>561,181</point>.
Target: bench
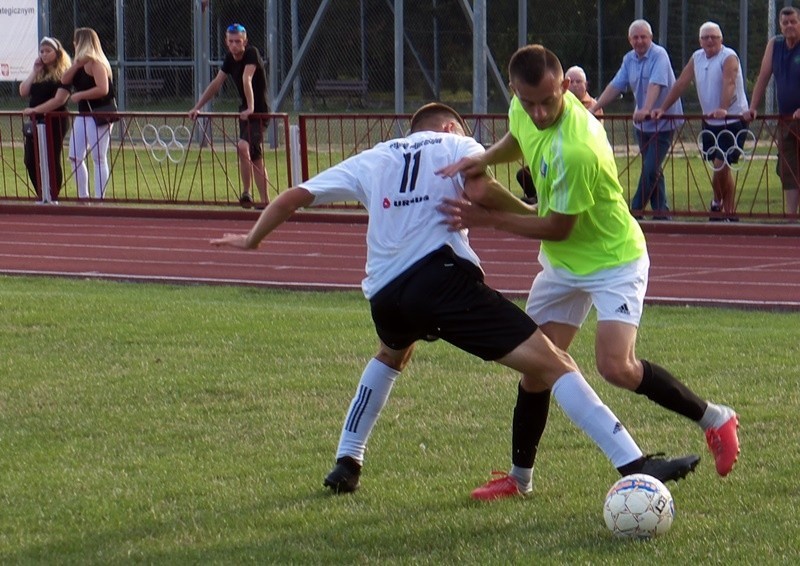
<point>148,87</point>
<point>349,89</point>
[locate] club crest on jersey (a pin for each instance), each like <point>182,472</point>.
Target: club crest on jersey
<point>387,203</point>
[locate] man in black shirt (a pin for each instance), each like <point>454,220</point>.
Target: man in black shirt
<point>245,66</point>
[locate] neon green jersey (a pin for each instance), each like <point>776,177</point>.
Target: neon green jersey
<point>574,172</point>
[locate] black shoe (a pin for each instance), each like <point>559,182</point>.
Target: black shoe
<point>343,478</point>
<point>716,208</point>
<point>246,200</point>
<point>664,469</point>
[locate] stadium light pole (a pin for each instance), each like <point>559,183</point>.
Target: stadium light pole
<point>744,13</point>
<point>399,82</point>
<point>202,69</point>
<point>122,62</point>
<point>479,92</point>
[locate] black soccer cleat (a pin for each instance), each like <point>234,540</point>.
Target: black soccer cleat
<point>246,200</point>
<point>663,469</point>
<point>343,478</point>
<point>667,469</point>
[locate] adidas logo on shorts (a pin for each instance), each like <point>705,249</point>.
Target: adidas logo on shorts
<point>623,309</point>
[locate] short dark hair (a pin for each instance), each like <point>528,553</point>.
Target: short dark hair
<point>789,10</point>
<point>424,114</point>
<point>530,63</point>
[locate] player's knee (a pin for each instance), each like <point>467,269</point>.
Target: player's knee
<point>395,359</point>
<point>619,372</point>
<point>533,384</point>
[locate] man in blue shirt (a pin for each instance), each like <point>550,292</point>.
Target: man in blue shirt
<point>647,72</point>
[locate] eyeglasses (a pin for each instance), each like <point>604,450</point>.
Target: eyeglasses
<point>709,37</point>
<point>236,28</point>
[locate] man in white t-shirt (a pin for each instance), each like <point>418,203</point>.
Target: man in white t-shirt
<point>424,281</point>
<point>718,78</point>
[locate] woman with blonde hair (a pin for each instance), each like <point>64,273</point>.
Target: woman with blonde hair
<point>90,80</point>
<point>43,147</point>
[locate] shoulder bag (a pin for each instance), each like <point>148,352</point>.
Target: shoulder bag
<point>107,111</point>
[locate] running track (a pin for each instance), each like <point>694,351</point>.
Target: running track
<point>746,266</point>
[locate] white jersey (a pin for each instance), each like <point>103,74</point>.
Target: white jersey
<point>708,80</point>
<point>396,182</point>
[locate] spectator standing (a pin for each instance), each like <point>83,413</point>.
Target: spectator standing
<point>717,76</point>
<point>91,81</point>
<point>43,151</point>
<point>244,65</point>
<point>782,60</point>
<point>525,180</point>
<point>424,280</point>
<point>578,85</point>
<point>592,252</point>
<point>647,72</point>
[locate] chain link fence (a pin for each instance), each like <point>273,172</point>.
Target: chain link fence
<point>165,52</point>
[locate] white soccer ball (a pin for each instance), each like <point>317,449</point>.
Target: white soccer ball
<point>638,506</point>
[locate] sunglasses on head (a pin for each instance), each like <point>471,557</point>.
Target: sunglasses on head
<point>236,28</point>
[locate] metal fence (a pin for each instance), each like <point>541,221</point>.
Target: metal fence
<point>162,158</point>
<point>403,52</point>
<point>156,159</point>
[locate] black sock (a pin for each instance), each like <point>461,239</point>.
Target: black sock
<point>663,388</point>
<point>530,418</point>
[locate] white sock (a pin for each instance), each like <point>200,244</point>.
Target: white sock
<point>365,408</point>
<point>585,409</point>
<point>715,416</point>
<point>524,477</point>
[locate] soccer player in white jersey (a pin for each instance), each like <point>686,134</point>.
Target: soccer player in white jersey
<point>592,252</point>
<point>424,281</point>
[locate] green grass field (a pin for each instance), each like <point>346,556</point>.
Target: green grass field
<point>193,425</point>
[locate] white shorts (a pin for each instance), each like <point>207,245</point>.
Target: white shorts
<point>617,293</point>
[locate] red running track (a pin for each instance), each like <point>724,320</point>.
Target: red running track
<point>741,266</point>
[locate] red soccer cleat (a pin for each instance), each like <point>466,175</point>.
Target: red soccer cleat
<point>502,486</point>
<point>724,444</point>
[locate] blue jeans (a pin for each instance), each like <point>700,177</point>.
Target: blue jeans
<point>654,147</point>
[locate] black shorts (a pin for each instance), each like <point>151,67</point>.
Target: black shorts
<point>724,142</point>
<point>252,131</point>
<point>788,166</point>
<point>444,296</point>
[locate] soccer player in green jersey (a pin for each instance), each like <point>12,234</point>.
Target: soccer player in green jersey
<point>593,253</point>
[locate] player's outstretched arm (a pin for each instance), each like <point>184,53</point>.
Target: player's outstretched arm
<point>490,193</point>
<point>460,214</point>
<point>276,213</point>
<point>504,151</point>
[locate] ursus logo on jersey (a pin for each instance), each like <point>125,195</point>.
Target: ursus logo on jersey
<point>387,203</point>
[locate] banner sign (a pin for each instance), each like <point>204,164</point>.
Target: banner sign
<point>19,42</point>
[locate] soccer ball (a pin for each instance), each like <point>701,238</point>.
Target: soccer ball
<point>638,506</point>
